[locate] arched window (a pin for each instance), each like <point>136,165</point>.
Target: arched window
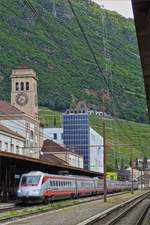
<point>17,86</point>
<point>22,86</point>
<point>27,86</point>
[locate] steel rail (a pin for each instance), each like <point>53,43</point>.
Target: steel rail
<point>141,219</point>
<point>127,210</point>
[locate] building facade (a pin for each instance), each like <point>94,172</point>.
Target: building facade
<point>83,139</point>
<point>76,134</point>
<point>24,91</point>
<point>96,151</point>
<point>67,155</point>
<point>21,115</point>
<point>11,141</point>
<point>55,134</point>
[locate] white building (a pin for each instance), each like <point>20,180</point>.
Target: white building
<point>21,115</point>
<point>95,143</point>
<point>55,134</point>
<point>11,141</point>
<point>24,125</point>
<point>96,151</point>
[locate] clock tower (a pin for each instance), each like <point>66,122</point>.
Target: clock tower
<point>24,91</point>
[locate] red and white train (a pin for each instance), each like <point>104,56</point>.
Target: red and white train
<point>42,187</point>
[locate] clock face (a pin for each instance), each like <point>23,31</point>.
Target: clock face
<point>22,99</point>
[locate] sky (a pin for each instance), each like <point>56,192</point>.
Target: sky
<point>123,7</point>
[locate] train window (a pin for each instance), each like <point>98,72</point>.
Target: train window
<point>56,183</point>
<point>51,183</point>
<point>30,180</point>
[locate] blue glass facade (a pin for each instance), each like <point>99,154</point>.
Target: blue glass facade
<point>76,134</point>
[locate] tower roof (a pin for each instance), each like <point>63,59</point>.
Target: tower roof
<point>23,72</point>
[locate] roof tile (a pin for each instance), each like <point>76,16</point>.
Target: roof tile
<point>53,159</point>
<point>7,108</point>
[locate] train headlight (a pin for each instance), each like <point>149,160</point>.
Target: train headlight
<point>19,191</point>
<point>36,191</point>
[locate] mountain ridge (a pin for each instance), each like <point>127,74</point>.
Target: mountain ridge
<point>52,44</point>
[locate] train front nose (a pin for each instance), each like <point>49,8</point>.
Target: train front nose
<point>26,192</point>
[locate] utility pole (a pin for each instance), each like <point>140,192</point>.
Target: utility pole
<point>132,185</point>
<point>104,157</point>
<point>141,179</point>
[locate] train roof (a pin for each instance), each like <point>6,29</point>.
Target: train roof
<point>33,173</point>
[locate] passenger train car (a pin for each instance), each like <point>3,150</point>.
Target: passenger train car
<point>41,187</point>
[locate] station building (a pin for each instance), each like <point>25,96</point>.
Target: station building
<point>21,116</point>
<point>11,141</point>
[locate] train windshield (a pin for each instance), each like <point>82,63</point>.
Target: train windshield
<point>30,180</point>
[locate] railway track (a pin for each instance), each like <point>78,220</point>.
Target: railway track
<point>135,212</point>
<point>5,206</point>
<point>119,219</point>
<point>18,208</point>
<point>143,216</point>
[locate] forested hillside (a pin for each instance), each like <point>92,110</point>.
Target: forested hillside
<point>48,39</point>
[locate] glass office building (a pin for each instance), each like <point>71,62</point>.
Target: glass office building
<point>76,134</point>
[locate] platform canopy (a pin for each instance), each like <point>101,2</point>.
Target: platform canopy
<point>141,9</point>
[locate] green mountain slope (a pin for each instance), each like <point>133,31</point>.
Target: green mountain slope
<point>52,44</point>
